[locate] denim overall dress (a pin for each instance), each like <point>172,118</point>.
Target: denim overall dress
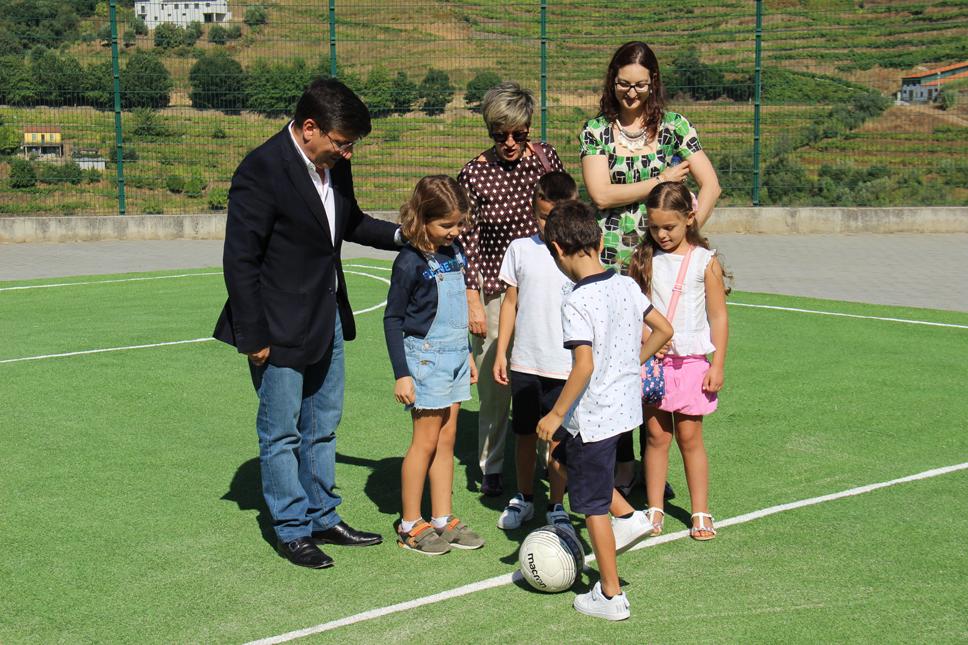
<point>439,362</point>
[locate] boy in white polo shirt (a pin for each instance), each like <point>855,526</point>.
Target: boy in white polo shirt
<point>531,312</point>
<point>602,321</point>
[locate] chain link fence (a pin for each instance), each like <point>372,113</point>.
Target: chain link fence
<point>187,88</point>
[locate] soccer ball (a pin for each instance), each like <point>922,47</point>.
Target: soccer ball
<point>551,558</point>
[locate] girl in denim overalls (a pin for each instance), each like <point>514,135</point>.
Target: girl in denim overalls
<point>426,332</point>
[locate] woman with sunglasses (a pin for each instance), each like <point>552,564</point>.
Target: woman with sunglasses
<point>631,147</point>
<point>500,182</point>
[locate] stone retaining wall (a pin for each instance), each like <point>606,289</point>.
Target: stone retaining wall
<point>771,220</point>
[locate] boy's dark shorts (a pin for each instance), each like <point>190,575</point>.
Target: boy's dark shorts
<point>591,471</point>
<point>532,397</point>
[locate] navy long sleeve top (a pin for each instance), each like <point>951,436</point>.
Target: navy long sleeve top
<point>411,301</point>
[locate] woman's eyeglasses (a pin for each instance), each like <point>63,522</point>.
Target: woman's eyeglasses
<point>519,137</point>
<point>625,86</point>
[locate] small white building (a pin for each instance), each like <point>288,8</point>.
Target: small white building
<point>924,87</point>
<point>181,13</point>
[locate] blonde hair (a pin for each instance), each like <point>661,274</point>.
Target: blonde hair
<point>507,106</point>
<point>434,197</point>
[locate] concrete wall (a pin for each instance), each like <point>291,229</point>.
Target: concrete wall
<point>772,220</point>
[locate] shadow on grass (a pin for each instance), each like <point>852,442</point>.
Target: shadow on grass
<point>246,491</point>
<point>383,483</point>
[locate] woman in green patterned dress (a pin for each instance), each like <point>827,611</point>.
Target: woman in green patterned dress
<point>626,151</point>
<point>633,146</point>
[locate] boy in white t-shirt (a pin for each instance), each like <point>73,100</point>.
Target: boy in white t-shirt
<point>531,313</point>
<point>602,326</point>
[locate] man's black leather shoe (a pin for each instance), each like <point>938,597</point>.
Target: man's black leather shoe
<point>344,535</point>
<point>305,553</point>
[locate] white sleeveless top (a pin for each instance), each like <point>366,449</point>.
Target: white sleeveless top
<point>692,335</point>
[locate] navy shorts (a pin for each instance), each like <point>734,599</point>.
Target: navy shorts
<point>532,397</point>
<point>591,471</point>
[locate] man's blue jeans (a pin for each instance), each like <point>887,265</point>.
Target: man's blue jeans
<point>299,410</point>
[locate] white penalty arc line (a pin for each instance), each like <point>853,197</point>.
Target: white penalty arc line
<point>508,578</point>
<point>173,342</point>
<point>165,277</point>
<point>88,282</point>
<point>842,315</point>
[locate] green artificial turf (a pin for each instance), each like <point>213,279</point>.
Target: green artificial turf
<point>132,510</point>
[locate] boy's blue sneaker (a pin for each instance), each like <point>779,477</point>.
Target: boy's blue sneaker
<point>517,512</point>
<point>594,603</point>
<point>558,516</point>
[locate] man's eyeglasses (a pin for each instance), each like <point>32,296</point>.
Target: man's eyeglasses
<point>625,86</point>
<point>343,147</point>
<point>519,137</point>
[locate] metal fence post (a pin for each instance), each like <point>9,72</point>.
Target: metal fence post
<point>544,70</point>
<point>757,89</point>
<point>332,38</point>
<point>116,72</point>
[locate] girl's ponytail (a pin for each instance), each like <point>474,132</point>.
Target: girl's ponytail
<point>640,265</point>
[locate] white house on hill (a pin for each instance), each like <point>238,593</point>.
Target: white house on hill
<point>179,12</point>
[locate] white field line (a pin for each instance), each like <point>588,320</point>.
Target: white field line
<point>173,342</point>
<point>75,284</point>
<point>159,277</point>
<point>508,578</point>
<point>378,268</point>
<point>833,313</point>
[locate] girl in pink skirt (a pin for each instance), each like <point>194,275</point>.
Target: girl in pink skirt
<point>680,274</point>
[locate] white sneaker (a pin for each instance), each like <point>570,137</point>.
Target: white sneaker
<point>594,603</point>
<point>559,517</point>
<point>631,530</point>
<point>516,513</point>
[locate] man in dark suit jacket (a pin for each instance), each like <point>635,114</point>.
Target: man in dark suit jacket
<point>291,205</point>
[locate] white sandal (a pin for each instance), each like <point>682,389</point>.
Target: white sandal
<point>696,532</point>
<point>656,526</point>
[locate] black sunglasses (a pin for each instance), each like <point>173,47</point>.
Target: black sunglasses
<point>519,137</point>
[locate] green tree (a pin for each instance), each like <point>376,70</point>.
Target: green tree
<point>17,83</point>
<point>175,184</point>
<point>145,82</point>
<point>22,174</point>
<point>478,86</point>
<point>695,78</point>
<point>786,181</point>
<point>218,81</point>
<point>138,25</point>
<point>148,125</point>
<point>169,36</point>
<point>404,93</point>
<point>218,35</point>
<point>104,34</point>
<point>129,39</point>
<point>218,199</point>
<point>98,85</point>
<point>378,92</point>
<point>273,89</point>
<point>68,173</point>
<point>436,91</point>
<point>195,186</point>
<point>59,78</point>
<point>256,15</point>
<point>193,32</point>
<point>9,140</point>
<point>234,32</point>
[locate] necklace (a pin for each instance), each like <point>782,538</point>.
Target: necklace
<point>634,141</point>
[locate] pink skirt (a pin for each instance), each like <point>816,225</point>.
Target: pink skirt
<point>683,386</point>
